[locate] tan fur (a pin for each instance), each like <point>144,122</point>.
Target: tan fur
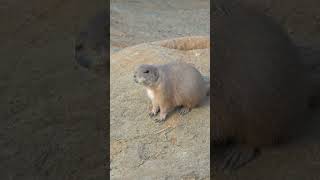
<point>178,84</point>
<point>260,89</point>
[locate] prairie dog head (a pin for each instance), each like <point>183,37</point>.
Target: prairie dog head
<point>90,50</point>
<point>146,75</point>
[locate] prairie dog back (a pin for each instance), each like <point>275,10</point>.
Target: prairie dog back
<point>185,81</point>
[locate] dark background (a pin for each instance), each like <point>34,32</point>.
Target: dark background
<point>52,116</point>
<point>299,159</point>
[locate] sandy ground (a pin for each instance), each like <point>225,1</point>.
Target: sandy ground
<point>52,114</point>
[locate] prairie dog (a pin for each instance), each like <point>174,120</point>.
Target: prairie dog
<point>90,49</point>
<point>171,85</point>
<point>260,87</point>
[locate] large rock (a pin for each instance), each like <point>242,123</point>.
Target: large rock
<point>142,149</point>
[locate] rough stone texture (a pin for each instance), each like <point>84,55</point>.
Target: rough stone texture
<point>141,148</point>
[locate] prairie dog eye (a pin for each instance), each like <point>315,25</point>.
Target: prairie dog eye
<point>147,71</point>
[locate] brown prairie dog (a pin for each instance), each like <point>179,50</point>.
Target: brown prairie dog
<point>260,88</point>
<point>170,86</point>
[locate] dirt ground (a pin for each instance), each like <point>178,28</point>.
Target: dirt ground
<point>52,112</point>
<point>138,21</point>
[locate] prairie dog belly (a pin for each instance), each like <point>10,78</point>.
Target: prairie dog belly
<point>150,94</point>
